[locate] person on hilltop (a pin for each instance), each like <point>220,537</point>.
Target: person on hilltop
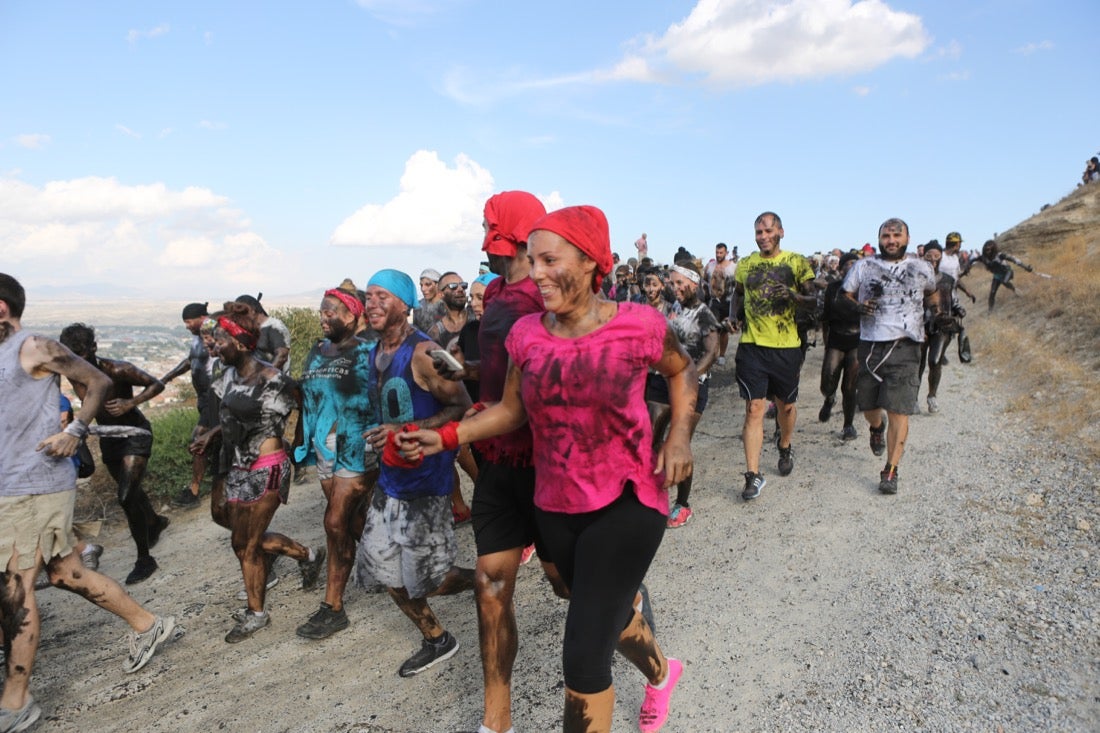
<point>194,314</point>
<point>273,345</point>
<point>126,458</point>
<point>37,495</point>
<point>718,285</point>
<point>336,410</point>
<point>769,285</point>
<point>892,292</point>
<point>997,263</point>
<point>408,543</point>
<point>256,402</point>
<point>601,489</point>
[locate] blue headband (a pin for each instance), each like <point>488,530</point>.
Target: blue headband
<point>397,283</point>
<point>486,278</point>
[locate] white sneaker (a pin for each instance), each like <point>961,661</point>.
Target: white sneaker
<point>721,361</point>
<point>143,646</point>
<point>933,406</point>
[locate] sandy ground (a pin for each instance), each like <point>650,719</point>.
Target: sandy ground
<point>966,602</point>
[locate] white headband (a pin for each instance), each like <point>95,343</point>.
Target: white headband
<point>690,275</point>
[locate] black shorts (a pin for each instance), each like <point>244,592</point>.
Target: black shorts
<point>720,309</point>
<point>763,372</point>
<point>656,390</point>
<point>889,376</point>
<point>504,510</point>
<point>114,450</point>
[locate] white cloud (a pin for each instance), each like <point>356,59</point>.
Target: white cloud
<point>952,51</point>
<point>127,131</point>
<point>165,133</point>
<point>861,91</point>
<point>145,237</point>
<point>961,75</point>
<point>211,125</point>
<point>437,206</point>
<point>1030,48</point>
<point>136,34</point>
<point>734,43</point>
<point>32,141</point>
<point>405,12</point>
<point>208,38</point>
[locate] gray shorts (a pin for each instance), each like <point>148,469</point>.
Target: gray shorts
<point>325,466</point>
<point>406,544</point>
<point>889,376</point>
<point>244,486</point>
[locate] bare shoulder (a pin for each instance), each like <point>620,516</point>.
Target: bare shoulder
<point>40,355</point>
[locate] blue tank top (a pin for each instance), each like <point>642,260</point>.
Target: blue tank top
<point>400,401</point>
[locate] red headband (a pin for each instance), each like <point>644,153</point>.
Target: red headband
<point>348,299</point>
<point>234,329</point>
<point>584,227</point>
<point>509,216</point>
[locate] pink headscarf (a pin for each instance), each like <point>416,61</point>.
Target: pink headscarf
<point>509,216</point>
<point>585,227</point>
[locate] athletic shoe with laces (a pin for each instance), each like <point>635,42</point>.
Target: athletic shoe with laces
<point>933,406</point>
<point>888,481</point>
<point>143,568</point>
<point>878,440</point>
<point>431,653</point>
<point>90,556</point>
<point>826,410</point>
<point>786,461</point>
<point>679,516</point>
<point>323,623</point>
<point>848,433</point>
<point>185,499</point>
<point>21,719</point>
<point>527,554</point>
<point>721,361</point>
<point>247,626</point>
<point>144,645</point>
<point>311,569</point>
<point>272,581</point>
<point>655,706</point>
<point>754,482</point>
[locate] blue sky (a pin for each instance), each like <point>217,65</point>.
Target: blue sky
<point>197,150</point>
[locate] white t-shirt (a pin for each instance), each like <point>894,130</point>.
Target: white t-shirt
<point>898,289</point>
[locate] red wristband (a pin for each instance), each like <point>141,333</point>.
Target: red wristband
<point>449,434</point>
<point>479,406</point>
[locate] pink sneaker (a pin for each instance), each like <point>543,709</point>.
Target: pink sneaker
<point>527,554</point>
<point>679,516</point>
<point>655,706</point>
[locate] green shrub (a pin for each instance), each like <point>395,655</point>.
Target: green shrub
<point>170,465</point>
<point>305,330</point>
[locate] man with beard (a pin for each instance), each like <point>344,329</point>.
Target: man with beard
<point>892,291</point>
<point>770,284</point>
<point>719,281</point>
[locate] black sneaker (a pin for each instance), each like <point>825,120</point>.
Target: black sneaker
<point>431,652</point>
<point>324,623</point>
<point>888,481</point>
<point>848,433</point>
<point>754,482</point>
<point>786,461</point>
<point>154,531</point>
<point>878,440</point>
<point>311,569</point>
<point>185,499</point>
<point>826,410</point>
<point>143,568</point>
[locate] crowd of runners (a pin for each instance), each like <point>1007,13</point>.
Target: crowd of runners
<point>506,376</point>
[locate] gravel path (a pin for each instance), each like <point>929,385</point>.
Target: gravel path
<point>968,602</point>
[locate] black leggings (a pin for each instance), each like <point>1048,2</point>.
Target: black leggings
<point>603,557</point>
<point>835,363</point>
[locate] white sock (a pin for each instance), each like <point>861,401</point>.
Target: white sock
<point>664,682</point>
<point>258,614</point>
<point>312,556</point>
<point>485,729</point>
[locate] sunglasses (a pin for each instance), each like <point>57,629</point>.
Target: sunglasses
<point>455,286</point>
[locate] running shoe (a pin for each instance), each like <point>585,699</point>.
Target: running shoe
<point>311,569</point>
<point>933,406</point>
<point>247,626</point>
<point>272,581</point>
<point>185,499</point>
<point>679,516</point>
<point>324,623</point>
<point>527,554</point>
<point>888,481</point>
<point>143,568</point>
<point>431,653</point>
<point>848,433</point>
<point>721,361</point>
<point>826,410</point>
<point>754,482</point>
<point>159,526</point>
<point>878,440</point>
<point>42,582</point>
<point>21,719</point>
<point>786,461</point>
<point>144,645</point>
<point>655,706</point>
<point>90,555</point>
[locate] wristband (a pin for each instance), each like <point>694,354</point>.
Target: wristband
<point>449,434</point>
<point>77,428</point>
<point>478,406</point>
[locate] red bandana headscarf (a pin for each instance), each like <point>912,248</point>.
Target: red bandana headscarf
<point>585,227</point>
<point>510,216</point>
<point>243,336</point>
<point>348,299</point>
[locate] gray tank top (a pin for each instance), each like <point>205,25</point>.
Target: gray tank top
<point>30,412</point>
